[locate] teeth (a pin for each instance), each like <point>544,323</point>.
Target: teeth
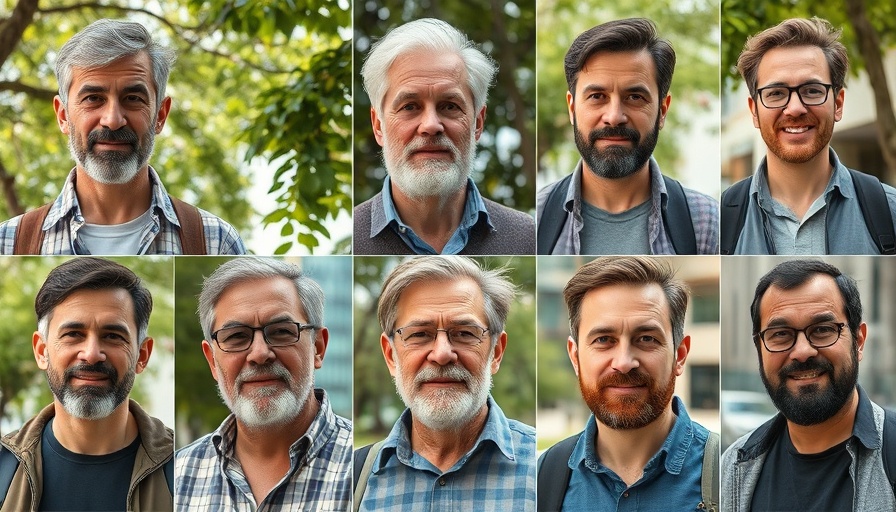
<point>796,129</point>
<point>805,375</point>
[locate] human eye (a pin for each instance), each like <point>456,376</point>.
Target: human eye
<point>407,107</point>
<point>778,334</point>
<point>71,335</point>
<point>233,336</point>
<point>92,99</point>
<point>824,330</point>
<point>602,341</point>
<point>465,335</point>
<point>648,339</point>
<point>812,90</point>
<point>774,93</point>
<point>596,96</point>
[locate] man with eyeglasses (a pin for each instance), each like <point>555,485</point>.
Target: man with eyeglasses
<point>282,448</point>
<point>452,448</point>
<point>831,447</point>
<point>802,199</point>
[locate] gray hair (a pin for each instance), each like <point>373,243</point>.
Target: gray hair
<point>431,35</point>
<point>105,41</point>
<point>246,268</point>
<point>497,290</point>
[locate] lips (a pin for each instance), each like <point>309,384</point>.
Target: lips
<point>796,129</point>
<point>804,375</point>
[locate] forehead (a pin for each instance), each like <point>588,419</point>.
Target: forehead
<point>106,304</point>
<point>258,300</point>
<point>427,72</point>
<point>792,65</point>
<point>615,302</point>
<point>430,299</point>
<point>819,294</point>
<point>627,69</point>
<point>131,69</point>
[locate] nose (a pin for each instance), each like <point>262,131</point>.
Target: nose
<point>623,359</point>
<point>259,352</point>
<point>442,352</point>
<point>91,350</point>
<point>614,113</point>
<point>802,350</point>
<point>430,122</point>
<point>794,107</point>
<point>113,115</point>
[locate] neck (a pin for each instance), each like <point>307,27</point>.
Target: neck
<point>443,448</point>
<point>616,195</point>
<point>797,186</point>
<point>113,204</point>
<point>831,432</point>
<point>433,218</point>
<point>272,442</point>
<point>95,437</point>
<point>626,452</point>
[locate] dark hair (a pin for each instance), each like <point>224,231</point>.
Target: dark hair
<point>621,36</point>
<point>790,274</point>
<point>86,273</point>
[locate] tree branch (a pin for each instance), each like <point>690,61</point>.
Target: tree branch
<point>13,27</point>
<point>34,92</point>
<point>7,181</point>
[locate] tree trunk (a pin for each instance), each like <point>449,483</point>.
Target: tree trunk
<point>13,27</point>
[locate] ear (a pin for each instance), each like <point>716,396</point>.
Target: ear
<point>838,104</point>
<point>860,339</point>
<point>754,110</point>
<point>572,348</point>
<point>682,354</point>
<point>664,108</point>
<point>571,106</point>
<point>480,122</point>
<point>499,352</point>
<point>209,353</point>
<point>377,126</point>
<point>143,354</point>
<point>164,108</point>
<point>39,347</point>
<point>61,114</point>
<point>320,346</point>
<point>388,353</point>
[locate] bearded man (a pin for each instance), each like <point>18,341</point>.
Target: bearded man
<point>829,448</point>
<point>91,341</point>
<point>617,201</point>
<point>428,86</point>
<point>282,447</point>
<point>627,346</point>
<point>452,448</point>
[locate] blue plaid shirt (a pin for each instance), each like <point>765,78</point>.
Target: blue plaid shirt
<point>160,235</point>
<point>208,477</point>
<point>497,474</point>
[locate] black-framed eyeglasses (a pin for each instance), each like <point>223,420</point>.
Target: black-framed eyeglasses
<point>419,336</point>
<point>238,338</point>
<point>820,335</point>
<point>778,96</point>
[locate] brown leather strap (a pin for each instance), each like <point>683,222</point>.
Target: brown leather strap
<point>192,232</point>
<point>30,233</point>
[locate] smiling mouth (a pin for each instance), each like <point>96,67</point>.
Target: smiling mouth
<point>796,129</point>
<point>811,374</point>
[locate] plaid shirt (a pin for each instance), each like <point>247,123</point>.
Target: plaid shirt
<point>208,477</point>
<point>704,214</point>
<point>160,236</point>
<point>497,474</point>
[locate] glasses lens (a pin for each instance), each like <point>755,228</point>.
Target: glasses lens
<point>465,335</point>
<point>281,333</point>
<point>778,338</point>
<point>417,336</point>
<point>823,334</point>
<point>813,94</point>
<point>775,96</point>
<point>234,339</point>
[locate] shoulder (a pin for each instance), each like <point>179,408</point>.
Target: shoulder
<point>705,217</point>
<point>8,234</point>
<point>201,448</point>
<point>526,432</point>
<point>504,213</point>
<point>541,197</point>
<point>221,236</point>
<point>729,456</point>
<point>362,212</point>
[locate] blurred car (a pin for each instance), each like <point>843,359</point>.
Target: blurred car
<point>742,411</point>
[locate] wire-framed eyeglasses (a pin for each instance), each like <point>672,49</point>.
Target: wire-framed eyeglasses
<point>820,335</point>
<point>238,338</point>
<point>419,336</point>
<point>778,96</point>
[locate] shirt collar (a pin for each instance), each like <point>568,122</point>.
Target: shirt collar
<point>840,180</point>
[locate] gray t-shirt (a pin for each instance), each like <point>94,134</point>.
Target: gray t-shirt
<point>615,233</point>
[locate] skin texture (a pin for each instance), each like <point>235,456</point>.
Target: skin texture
<point>93,327</point>
<point>441,304</point>
<point>816,300</point>
<point>618,91</point>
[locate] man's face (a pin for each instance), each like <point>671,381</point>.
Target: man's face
<point>617,112</point>
<point>427,124</point>
<point>91,352</point>
<point>444,385</point>
<point>112,118</point>
<point>796,133</point>
<point>264,385</point>
<point>807,384</point>
<point>625,359</point>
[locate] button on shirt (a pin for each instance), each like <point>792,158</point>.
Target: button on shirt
<point>160,234</point>
<point>497,474</point>
<point>209,477</point>
<point>671,478</point>
<point>474,212</point>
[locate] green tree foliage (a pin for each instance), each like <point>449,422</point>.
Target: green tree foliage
<point>23,386</point>
<point>377,404</point>
<point>691,27</point>
<point>505,166</point>
<point>256,82</point>
<point>869,30</point>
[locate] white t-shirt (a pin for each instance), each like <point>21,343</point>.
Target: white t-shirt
<point>115,238</point>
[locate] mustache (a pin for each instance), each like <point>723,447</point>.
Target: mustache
<point>439,140</point>
<point>452,372</point>
<point>614,131</point>
<point>632,378</point>
<point>123,134</point>
<point>807,365</point>
<point>266,370</point>
<point>101,367</point>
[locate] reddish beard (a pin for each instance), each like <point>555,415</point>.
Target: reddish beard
<point>627,411</point>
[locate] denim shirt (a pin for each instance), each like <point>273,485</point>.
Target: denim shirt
<point>842,218</point>
<point>671,478</point>
<point>474,208</point>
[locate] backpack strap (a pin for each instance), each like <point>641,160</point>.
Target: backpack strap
<point>9,464</point>
<point>875,208</point>
<point>888,449</point>
<point>677,218</point>
<point>735,200</point>
<point>169,475</point>
<point>361,471</point>
<point>553,474</point>
<point>192,232</point>
<point>29,233</point>
<point>709,479</point>
<point>553,216</point>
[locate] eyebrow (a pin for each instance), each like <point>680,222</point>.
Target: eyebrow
<point>784,84</point>
<point>782,322</point>
<point>136,88</point>
<point>91,89</point>
<point>639,88</point>
<point>281,318</point>
<point>640,329</point>
<point>114,327</point>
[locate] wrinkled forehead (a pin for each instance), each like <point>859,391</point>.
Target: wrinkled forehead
<point>432,299</point>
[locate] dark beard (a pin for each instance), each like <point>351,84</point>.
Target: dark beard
<point>616,162</point>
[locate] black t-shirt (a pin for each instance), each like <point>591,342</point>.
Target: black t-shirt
<point>791,481</point>
<point>73,481</point>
